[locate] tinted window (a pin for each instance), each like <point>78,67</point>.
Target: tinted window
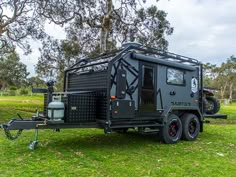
<point>148,77</point>
<point>147,90</point>
<point>175,76</point>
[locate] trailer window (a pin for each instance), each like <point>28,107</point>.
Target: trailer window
<point>175,76</point>
<point>148,77</point>
<point>147,103</point>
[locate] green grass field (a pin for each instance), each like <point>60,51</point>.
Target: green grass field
<point>23,105</point>
<point>89,152</point>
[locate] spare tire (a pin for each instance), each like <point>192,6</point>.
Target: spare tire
<point>211,105</point>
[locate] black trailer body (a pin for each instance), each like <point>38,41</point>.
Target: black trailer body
<point>134,87</point>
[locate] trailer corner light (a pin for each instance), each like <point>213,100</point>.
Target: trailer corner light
<point>113,97</point>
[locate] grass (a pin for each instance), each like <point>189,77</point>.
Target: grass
<point>89,152</point>
<point>24,105</point>
<point>230,111</point>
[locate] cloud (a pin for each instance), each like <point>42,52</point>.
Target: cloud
<point>203,29</point>
<point>30,60</point>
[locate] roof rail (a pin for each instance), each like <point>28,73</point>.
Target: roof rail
<point>143,49</point>
<point>167,55</point>
<point>179,58</point>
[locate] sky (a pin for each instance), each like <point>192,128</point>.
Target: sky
<point>203,29</point>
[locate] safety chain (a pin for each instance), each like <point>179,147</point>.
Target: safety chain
<point>10,136</point>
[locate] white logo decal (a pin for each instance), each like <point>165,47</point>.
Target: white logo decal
<point>194,85</point>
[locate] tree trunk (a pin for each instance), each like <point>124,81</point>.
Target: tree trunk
<point>230,92</point>
<point>4,85</point>
<point>222,90</point>
<point>106,26</point>
<point>103,40</point>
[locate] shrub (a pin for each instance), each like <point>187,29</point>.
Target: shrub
<point>4,93</point>
<point>24,92</point>
<point>13,88</point>
<point>12,92</point>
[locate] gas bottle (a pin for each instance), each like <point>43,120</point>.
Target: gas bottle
<point>56,109</point>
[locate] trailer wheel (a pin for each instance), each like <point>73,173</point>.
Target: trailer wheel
<point>191,127</point>
<point>212,105</point>
<point>172,130</point>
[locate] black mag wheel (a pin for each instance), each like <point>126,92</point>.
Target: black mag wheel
<point>172,130</point>
<point>191,126</point>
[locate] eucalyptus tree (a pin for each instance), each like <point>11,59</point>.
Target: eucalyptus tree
<point>210,72</point>
<point>12,71</point>
<point>93,21</point>
<point>56,56</point>
<point>19,20</point>
<point>222,77</point>
<point>94,27</point>
<point>226,79</point>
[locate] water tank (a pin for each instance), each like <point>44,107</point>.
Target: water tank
<point>56,110</point>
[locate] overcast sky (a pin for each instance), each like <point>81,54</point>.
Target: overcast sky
<point>203,29</point>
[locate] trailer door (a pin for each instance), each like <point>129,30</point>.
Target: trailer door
<point>147,87</point>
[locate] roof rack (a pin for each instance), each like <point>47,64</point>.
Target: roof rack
<point>143,49</point>
<point>169,56</point>
<point>101,56</point>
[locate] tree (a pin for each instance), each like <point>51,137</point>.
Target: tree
<point>226,78</point>
<point>35,82</point>
<point>209,72</point>
<point>126,21</point>
<point>95,27</point>
<point>19,19</point>
<point>222,77</point>
<point>56,55</point>
<point>12,71</point>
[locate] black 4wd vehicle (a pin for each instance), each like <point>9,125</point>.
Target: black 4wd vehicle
<point>135,87</point>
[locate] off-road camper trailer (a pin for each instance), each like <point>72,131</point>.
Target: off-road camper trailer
<point>134,87</point>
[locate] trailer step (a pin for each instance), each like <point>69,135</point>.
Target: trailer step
<point>136,125</point>
<point>151,131</point>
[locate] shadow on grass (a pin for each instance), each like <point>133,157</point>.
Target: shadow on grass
<point>131,140</point>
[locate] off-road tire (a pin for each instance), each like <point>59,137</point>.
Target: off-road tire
<point>211,105</point>
<point>171,132</point>
<point>191,127</point>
